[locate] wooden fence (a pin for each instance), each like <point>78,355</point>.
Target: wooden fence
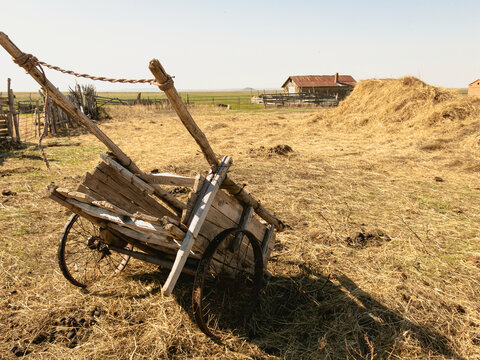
<point>9,129</point>
<point>282,99</point>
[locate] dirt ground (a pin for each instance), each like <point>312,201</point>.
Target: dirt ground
<point>381,259</point>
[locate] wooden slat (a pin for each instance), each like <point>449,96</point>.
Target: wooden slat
<point>229,207</point>
<point>110,177</point>
<point>268,243</point>
<point>200,213</point>
<point>115,218</point>
<point>127,175</point>
<point>244,222</point>
<point>170,179</point>
<point>149,238</point>
<point>192,197</point>
<point>106,192</point>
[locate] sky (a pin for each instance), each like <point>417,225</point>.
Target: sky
<point>213,45</point>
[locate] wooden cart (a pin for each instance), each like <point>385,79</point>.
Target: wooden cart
<point>221,235</point>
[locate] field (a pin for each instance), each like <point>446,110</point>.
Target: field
<point>240,96</point>
<point>381,259</point>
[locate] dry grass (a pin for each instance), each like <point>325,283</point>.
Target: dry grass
<point>407,287</point>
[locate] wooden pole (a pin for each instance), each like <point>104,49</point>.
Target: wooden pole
<point>211,186</point>
<point>62,101</point>
<point>75,113</point>
<point>162,78</point>
<point>11,105</point>
<point>9,114</point>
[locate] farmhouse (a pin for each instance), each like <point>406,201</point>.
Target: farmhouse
<point>474,88</point>
<point>331,85</point>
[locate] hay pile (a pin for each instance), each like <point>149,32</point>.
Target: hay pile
<point>407,101</point>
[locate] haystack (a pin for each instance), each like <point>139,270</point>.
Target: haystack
<point>407,101</point>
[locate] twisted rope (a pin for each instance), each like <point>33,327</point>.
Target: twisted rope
<point>28,61</point>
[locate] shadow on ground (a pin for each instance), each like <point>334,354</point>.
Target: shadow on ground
<point>311,316</point>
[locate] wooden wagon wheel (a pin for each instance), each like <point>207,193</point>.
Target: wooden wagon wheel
<point>82,255</point>
<point>227,283</point>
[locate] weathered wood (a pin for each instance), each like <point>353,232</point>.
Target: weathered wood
<point>244,222</point>
<point>149,238</point>
<point>175,230</point>
<point>192,197</point>
<point>149,218</point>
<point>106,192</point>
<point>226,205</point>
<point>142,185</point>
<point>162,77</point>
<point>9,113</point>
<point>199,214</point>
<point>11,106</point>
<point>52,194</point>
<point>268,243</point>
<point>127,175</point>
<point>110,177</point>
<point>176,101</point>
<point>151,259</point>
<point>107,215</point>
<point>110,207</point>
<point>83,189</point>
<point>247,199</point>
<point>169,179</point>
<point>76,114</point>
<point>77,195</point>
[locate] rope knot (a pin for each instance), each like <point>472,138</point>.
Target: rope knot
<point>27,61</point>
<point>167,85</point>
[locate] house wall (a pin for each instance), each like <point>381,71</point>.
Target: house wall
<point>289,84</point>
<point>474,89</point>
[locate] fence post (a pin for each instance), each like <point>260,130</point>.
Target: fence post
<point>9,113</point>
<point>11,105</point>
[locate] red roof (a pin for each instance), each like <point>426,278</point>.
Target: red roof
<point>321,80</point>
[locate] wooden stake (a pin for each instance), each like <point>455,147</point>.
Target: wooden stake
<point>199,214</point>
<point>10,113</point>
<point>11,105</point>
<point>80,117</point>
<point>162,78</point>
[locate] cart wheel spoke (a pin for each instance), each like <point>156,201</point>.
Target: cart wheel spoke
<point>83,257</point>
<point>227,284</point>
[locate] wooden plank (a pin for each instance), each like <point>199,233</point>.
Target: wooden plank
<point>149,238</point>
<point>244,222</point>
<point>52,194</point>
<point>192,197</point>
<point>115,218</point>
<point>169,179</point>
<point>127,175</point>
<point>268,243</point>
<point>106,192</point>
<point>77,195</point>
<point>229,206</point>
<point>82,188</point>
<point>152,259</point>
<point>109,176</point>
<point>203,205</point>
